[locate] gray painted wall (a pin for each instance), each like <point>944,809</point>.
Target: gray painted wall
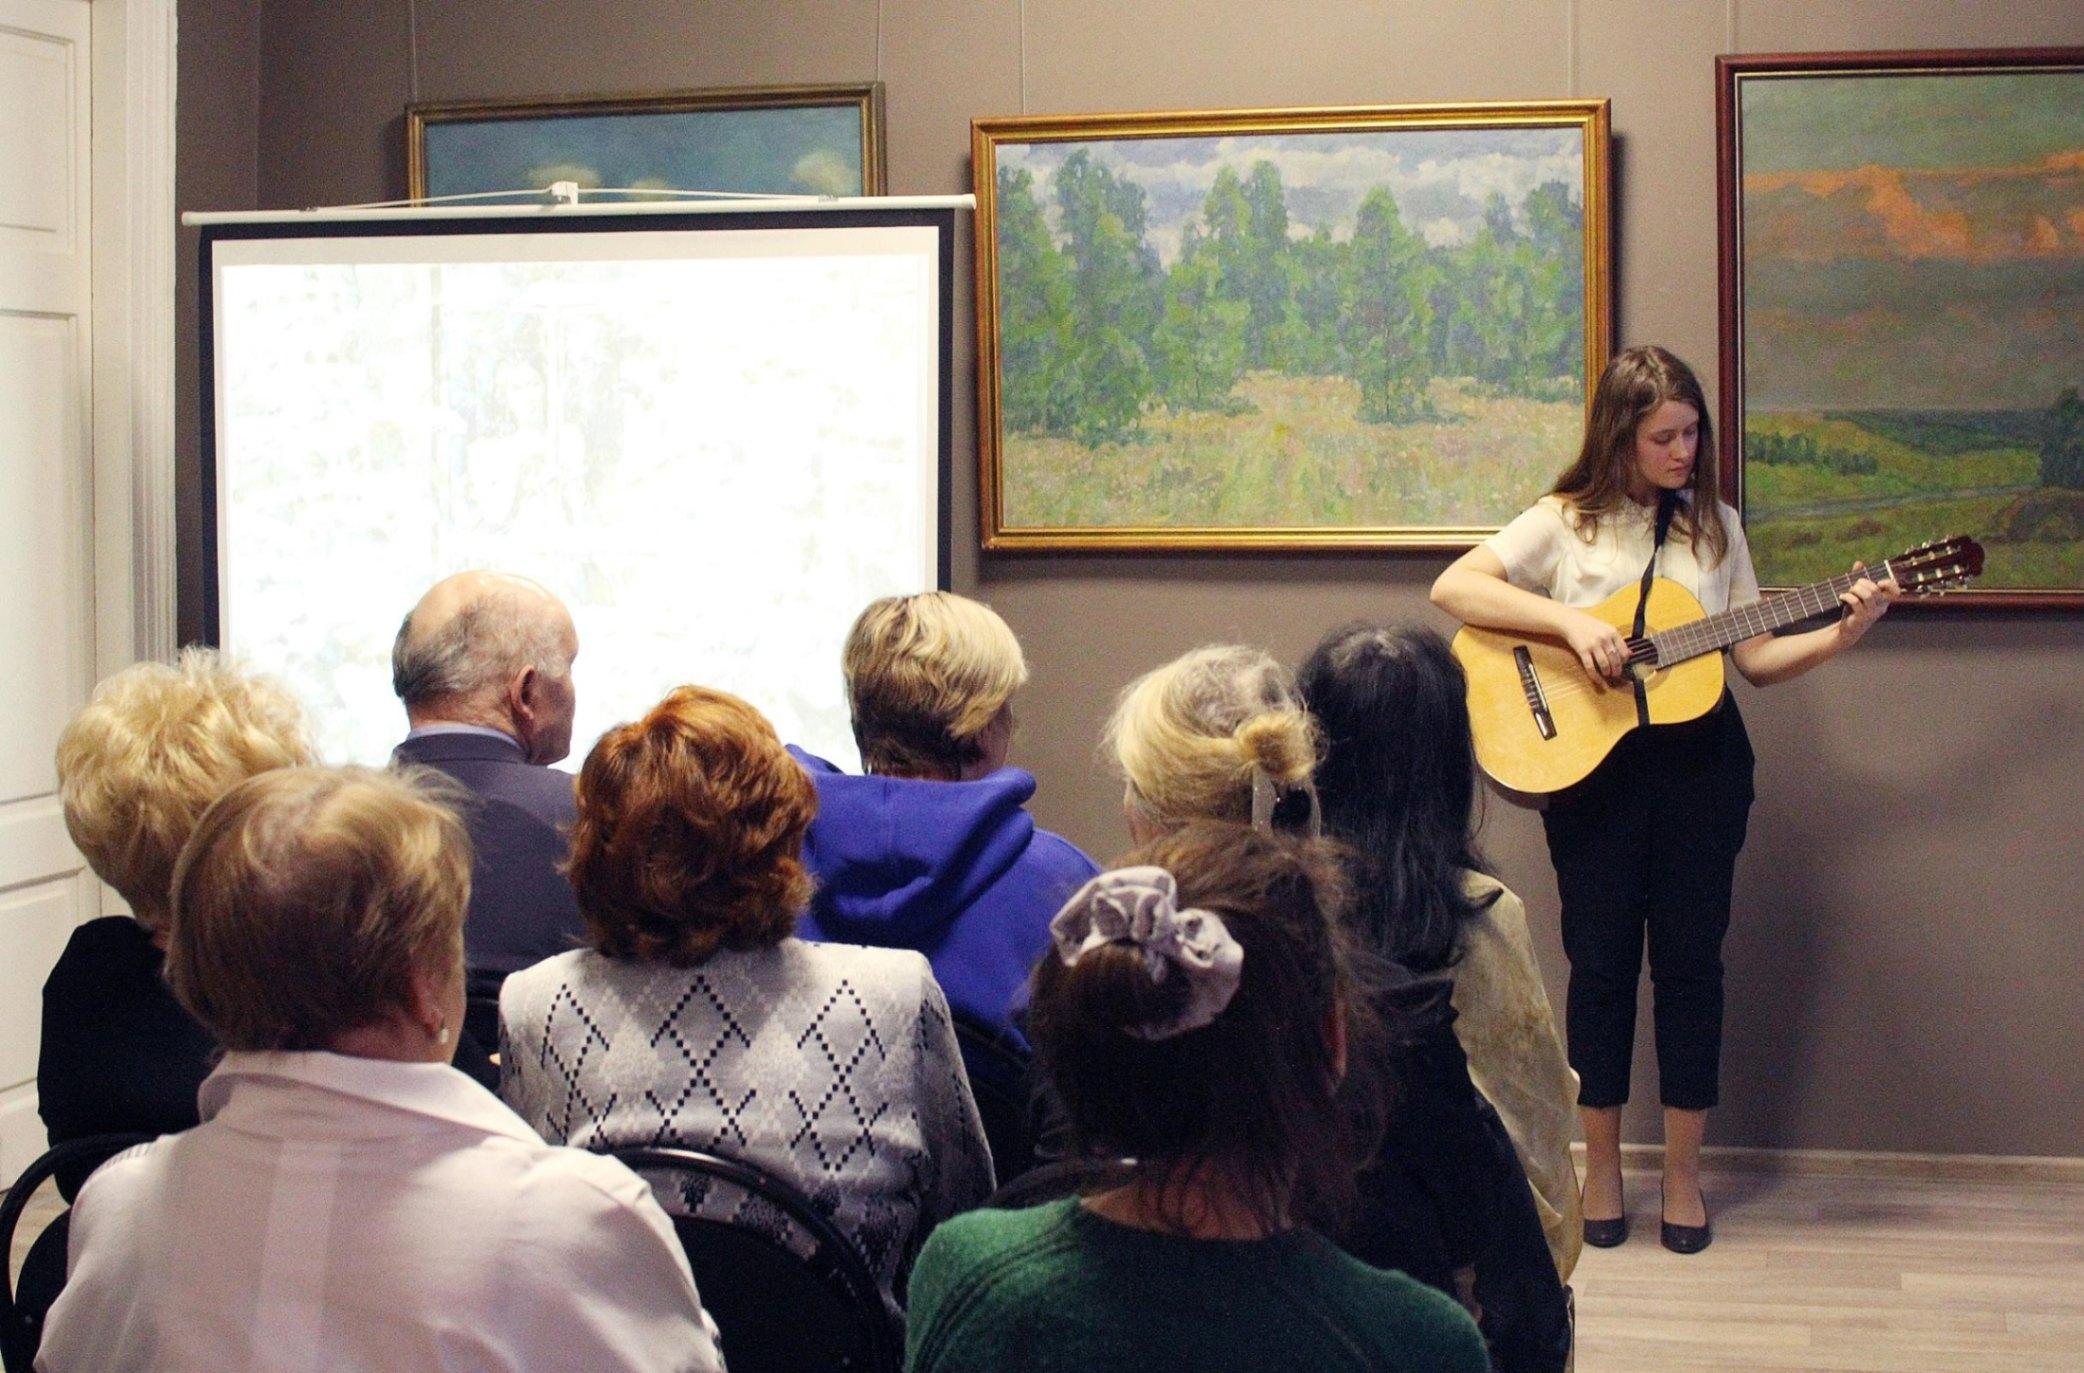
<point>1904,958</point>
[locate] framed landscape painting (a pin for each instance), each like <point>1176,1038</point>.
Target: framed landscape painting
<point>751,140</point>
<point>1903,311</point>
<point>1282,329</point>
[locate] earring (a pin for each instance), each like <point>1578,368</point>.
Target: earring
<point>441,1035</point>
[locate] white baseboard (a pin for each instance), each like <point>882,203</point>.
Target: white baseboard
<point>1860,1163</point>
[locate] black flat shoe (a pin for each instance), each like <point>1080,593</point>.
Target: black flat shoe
<point>1605,1234</point>
<point>1683,1239</point>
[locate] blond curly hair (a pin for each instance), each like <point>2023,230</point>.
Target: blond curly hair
<point>155,745</point>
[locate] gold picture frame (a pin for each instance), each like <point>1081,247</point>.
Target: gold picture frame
<point>1169,306</point>
<point>750,139</point>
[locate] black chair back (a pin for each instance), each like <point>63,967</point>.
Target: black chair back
<point>481,1006</point>
<point>812,1305</point>
<point>998,1073</point>
<point>26,1299</point>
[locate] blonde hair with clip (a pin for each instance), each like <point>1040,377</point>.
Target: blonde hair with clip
<point>1189,736</point>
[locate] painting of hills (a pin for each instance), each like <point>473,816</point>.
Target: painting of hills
<point>1912,319</point>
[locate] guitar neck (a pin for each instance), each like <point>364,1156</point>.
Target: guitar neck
<point>1713,633</point>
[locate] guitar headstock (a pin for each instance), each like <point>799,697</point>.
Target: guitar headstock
<point>1941,565</point>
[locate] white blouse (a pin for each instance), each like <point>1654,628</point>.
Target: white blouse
<point>343,1213</point>
<point>1543,551</point>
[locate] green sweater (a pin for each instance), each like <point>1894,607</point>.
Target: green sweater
<point>1056,1287</point>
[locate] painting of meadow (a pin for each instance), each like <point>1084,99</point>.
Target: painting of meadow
<point>1910,317</point>
<point>807,140</point>
<point>1236,332</point>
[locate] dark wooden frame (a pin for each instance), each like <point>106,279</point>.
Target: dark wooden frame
<point>868,97</point>
<point>1729,71</point>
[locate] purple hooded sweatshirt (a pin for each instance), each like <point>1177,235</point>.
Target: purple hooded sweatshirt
<point>956,870</point>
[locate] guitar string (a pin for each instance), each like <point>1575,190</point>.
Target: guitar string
<point>1769,614</point>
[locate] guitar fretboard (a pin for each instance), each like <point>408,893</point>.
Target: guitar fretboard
<point>1716,632</point>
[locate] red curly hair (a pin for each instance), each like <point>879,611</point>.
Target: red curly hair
<point>690,832</point>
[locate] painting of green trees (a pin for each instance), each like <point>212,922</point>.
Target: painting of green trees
<point>1356,330</point>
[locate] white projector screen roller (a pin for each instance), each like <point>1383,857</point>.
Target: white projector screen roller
<point>716,439</point>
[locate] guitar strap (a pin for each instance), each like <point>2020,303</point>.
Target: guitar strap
<point>1667,506</point>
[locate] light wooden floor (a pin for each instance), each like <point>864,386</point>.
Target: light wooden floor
<point>1838,1272</point>
<point>1843,1273</point>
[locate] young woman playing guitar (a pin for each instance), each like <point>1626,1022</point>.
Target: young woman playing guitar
<point>1650,839</point>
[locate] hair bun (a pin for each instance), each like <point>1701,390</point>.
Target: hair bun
<point>1282,743</point>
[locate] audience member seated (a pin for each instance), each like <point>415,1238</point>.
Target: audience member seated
<point>697,1019</point>
<point>484,666</point>
<point>136,768</point>
<point>1218,733</point>
<point>349,1199</point>
<point>933,848</point>
<point>1222,733</point>
<point>1397,782</point>
<point>1195,1015</point>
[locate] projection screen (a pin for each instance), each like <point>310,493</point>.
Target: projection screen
<point>717,437</point>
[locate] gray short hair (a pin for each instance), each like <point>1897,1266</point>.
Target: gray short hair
<point>480,648</point>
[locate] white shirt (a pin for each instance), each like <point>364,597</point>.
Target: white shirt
<point>1543,551</point>
<point>343,1213</point>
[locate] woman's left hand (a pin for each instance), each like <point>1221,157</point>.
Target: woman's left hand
<point>1865,603</point>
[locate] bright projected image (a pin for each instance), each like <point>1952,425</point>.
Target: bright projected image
<point>715,445</point>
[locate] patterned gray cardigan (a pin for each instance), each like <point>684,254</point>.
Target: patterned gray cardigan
<point>830,1065</point>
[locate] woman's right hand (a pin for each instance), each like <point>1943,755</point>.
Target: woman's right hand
<point>1598,646</point>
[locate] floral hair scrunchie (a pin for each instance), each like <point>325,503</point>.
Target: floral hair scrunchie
<point>1140,906</point>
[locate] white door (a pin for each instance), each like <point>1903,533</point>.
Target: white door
<point>46,517</point>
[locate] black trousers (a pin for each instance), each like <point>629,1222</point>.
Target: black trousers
<point>1646,850</point>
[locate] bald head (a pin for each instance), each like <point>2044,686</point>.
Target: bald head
<point>492,649</point>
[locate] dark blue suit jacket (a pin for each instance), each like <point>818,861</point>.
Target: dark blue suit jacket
<point>520,817</point>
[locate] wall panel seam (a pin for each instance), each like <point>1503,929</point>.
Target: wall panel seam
<point>412,48</point>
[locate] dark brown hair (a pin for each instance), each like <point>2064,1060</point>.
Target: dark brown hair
<point>1634,384</point>
<point>1256,1095</point>
<point>690,832</point>
<point>1396,783</point>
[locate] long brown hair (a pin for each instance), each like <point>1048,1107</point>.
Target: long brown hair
<point>1635,383</point>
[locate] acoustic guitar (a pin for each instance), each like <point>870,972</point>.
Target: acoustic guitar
<point>1542,723</point>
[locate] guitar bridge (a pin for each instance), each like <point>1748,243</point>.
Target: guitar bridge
<point>1537,699</point>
